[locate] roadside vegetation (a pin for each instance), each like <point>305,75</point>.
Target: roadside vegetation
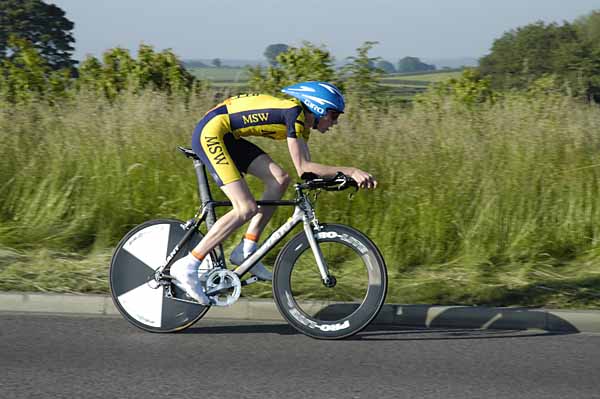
<point>496,204</point>
<point>486,196</point>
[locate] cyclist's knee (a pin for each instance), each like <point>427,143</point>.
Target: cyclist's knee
<point>280,181</point>
<point>284,180</point>
<point>246,211</point>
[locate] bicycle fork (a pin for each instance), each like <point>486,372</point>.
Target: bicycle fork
<point>302,214</point>
<point>311,228</point>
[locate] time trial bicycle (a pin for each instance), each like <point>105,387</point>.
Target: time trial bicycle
<point>329,280</point>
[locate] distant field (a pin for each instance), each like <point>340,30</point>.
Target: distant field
<point>408,85</point>
<point>229,84</point>
<point>418,80</point>
<point>230,75</point>
<point>425,77</point>
<point>399,84</point>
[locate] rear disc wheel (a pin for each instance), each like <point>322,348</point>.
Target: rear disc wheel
<point>136,294</point>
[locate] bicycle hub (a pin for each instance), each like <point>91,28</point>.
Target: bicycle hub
<point>330,282</point>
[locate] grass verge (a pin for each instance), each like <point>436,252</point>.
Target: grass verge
<point>489,204</point>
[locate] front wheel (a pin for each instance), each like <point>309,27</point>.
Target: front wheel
<point>333,312</point>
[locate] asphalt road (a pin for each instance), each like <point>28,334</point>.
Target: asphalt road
<point>44,356</point>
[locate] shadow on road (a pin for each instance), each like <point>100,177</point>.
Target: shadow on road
<point>424,322</point>
<point>470,317</point>
<point>281,329</point>
<point>379,332</point>
<point>391,333</point>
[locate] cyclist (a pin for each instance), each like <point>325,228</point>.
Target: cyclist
<point>218,140</point>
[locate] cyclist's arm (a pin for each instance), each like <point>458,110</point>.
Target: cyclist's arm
<point>301,158</point>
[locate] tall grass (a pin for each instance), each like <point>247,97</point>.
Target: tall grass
<point>495,204</point>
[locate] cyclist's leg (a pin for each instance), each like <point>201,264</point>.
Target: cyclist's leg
<point>251,159</point>
<point>208,144</point>
<point>185,270</point>
<point>225,159</point>
<point>244,208</point>
<point>276,181</point>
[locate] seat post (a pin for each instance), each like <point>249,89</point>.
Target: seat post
<point>205,199</point>
<point>204,192</point>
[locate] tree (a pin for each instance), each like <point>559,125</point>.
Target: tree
<point>118,72</point>
<point>26,75</point>
<point>273,50</point>
<point>526,53</point>
<point>570,52</point>
<point>216,62</point>
<point>413,64</point>
<point>385,66</point>
<point>588,28</point>
<point>294,65</point>
<point>470,89</point>
<point>43,25</point>
<point>362,77</point>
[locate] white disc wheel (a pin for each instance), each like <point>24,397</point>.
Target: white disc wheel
<point>136,294</point>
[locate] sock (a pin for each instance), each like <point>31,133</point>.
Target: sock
<point>187,263</point>
<point>250,244</point>
<point>195,258</point>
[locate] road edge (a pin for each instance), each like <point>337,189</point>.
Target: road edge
<point>426,316</point>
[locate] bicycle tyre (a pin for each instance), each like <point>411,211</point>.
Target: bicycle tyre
<point>135,259</point>
<point>347,253</point>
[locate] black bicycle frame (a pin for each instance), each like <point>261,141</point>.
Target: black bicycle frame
<point>209,204</point>
<point>303,213</point>
<point>207,211</point>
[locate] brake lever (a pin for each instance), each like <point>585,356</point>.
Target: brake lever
<point>351,195</point>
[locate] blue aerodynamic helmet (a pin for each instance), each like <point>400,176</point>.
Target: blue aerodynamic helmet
<point>317,96</point>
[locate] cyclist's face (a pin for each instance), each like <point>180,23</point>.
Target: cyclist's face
<point>330,119</point>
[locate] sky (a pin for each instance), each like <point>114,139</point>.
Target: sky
<point>242,29</point>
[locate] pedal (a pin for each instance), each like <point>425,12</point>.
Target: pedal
<point>177,294</point>
<point>250,280</point>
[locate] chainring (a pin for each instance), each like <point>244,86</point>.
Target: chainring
<point>225,286</point>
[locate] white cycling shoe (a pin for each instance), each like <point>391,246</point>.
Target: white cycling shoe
<point>259,270</point>
<point>186,272</point>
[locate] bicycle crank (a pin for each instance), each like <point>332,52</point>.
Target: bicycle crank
<point>222,286</point>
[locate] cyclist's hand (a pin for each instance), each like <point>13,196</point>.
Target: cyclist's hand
<point>363,179</point>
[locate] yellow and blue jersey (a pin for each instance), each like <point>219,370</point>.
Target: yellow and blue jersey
<point>261,115</point>
<point>245,115</point>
